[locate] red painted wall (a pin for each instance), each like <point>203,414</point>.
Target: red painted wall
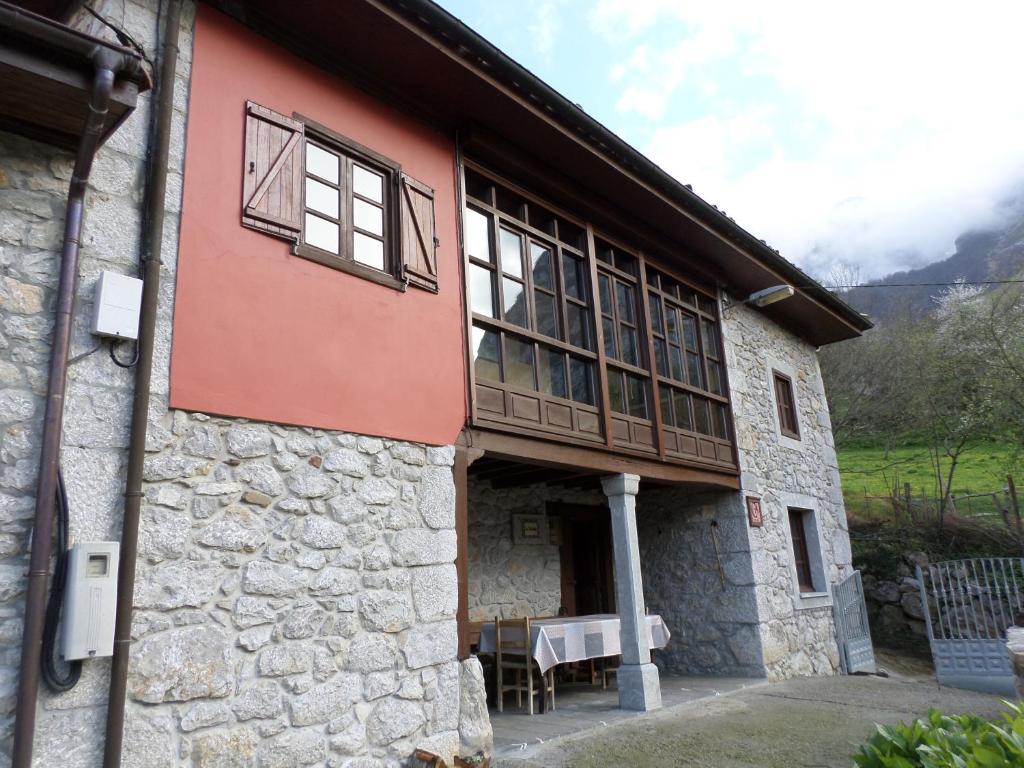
<point>263,334</point>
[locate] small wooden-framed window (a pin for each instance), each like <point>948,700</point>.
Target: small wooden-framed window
<point>785,401</point>
<point>801,554</point>
<point>341,204</point>
<point>350,207</point>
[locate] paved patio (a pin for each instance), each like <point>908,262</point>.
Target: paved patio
<point>580,707</point>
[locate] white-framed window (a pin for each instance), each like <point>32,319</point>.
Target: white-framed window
<point>808,568</point>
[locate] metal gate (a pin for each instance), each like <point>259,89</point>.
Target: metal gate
<point>967,605</point>
<point>856,653</point>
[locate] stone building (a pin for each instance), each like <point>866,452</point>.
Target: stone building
<point>412,324</point>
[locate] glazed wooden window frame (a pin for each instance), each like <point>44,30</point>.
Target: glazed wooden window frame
<point>490,402</point>
<point>785,403</point>
<point>351,155</point>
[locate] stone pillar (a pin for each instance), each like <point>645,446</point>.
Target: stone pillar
<point>639,686</point>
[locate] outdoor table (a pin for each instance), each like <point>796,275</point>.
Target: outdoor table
<point>563,639</point>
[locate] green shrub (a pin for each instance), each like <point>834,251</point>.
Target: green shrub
<point>947,741</point>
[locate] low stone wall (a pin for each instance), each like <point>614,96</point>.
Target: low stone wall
<point>295,599</point>
<point>1015,648</point>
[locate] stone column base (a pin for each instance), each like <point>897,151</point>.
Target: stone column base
<point>639,687</point>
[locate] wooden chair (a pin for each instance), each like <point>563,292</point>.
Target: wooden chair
<point>514,654</point>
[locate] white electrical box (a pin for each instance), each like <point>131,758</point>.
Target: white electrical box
<point>116,305</point>
<point>90,600</point>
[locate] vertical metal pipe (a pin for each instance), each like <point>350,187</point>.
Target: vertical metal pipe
<point>156,189</point>
<point>108,64</point>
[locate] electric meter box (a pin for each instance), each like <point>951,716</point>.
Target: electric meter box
<point>116,306</point>
<point>90,600</point>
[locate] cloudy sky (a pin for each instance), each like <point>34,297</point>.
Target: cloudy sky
<point>870,133</point>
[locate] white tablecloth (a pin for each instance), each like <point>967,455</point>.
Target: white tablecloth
<point>574,638</point>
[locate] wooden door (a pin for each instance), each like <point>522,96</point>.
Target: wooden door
<point>587,560</point>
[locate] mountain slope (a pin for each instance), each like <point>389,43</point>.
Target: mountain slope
<point>995,254</point>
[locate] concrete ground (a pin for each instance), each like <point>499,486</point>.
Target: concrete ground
<point>803,723</point>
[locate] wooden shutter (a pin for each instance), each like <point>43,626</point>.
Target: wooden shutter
<point>419,244</point>
<point>272,187</point>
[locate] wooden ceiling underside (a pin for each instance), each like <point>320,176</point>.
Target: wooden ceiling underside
<point>501,473</point>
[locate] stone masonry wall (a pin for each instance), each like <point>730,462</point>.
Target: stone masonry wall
<point>798,634</point>
<point>295,600</point>
<point>34,181</point>
<point>707,598</point>
<point>506,579</point>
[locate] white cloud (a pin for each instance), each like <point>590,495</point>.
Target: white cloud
<point>545,27</point>
<point>864,132</point>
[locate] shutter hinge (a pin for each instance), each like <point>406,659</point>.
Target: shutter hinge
<point>252,166</point>
<point>437,243</point>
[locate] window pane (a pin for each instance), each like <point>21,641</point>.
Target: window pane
<point>478,235</point>
<point>690,332</point>
<point>625,262</point>
<point>636,394</point>
<point>630,353</point>
<point>368,216</point>
<point>608,329</point>
<point>693,370</point>
<point>616,397</point>
<point>540,259</point>
<point>481,290</point>
<point>673,325</point>
<point>708,305</point>
<point>720,422</point>
<point>515,302</point>
<point>681,403</point>
<point>321,198</point>
<point>701,418</point>
<point>605,284</point>
<point>486,354</point>
<point>573,274</point>
<point>661,357</point>
<point>710,342</point>
<point>511,253</point>
<point>665,396</point>
<point>676,356</point>
<point>552,372</point>
<point>477,186</point>
<point>579,326</point>
<point>519,363</point>
<point>368,251</point>
<point>367,183</point>
<point>546,308</point>
<point>714,377</point>
<point>624,294</point>
<point>321,233</point>
<point>322,163</point>
<point>656,320</point>
<point>582,374</point>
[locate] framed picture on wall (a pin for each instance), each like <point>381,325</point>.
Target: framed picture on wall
<point>529,529</point>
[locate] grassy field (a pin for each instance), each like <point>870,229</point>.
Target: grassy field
<point>868,471</point>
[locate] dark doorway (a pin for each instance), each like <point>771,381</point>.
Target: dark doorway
<point>588,574</point>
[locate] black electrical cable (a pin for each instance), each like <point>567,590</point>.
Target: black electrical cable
<point>56,679</point>
<point>118,363</point>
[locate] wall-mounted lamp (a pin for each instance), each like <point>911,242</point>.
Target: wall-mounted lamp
<point>765,296</point>
<point>770,295</point>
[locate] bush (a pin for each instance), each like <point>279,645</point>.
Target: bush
<point>948,741</point>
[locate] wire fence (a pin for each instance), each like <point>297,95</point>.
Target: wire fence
<point>907,505</point>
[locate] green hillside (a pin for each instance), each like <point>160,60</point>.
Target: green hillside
<point>868,471</point>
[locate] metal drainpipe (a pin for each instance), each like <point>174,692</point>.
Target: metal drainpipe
<point>151,251</point>
<point>108,64</point>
